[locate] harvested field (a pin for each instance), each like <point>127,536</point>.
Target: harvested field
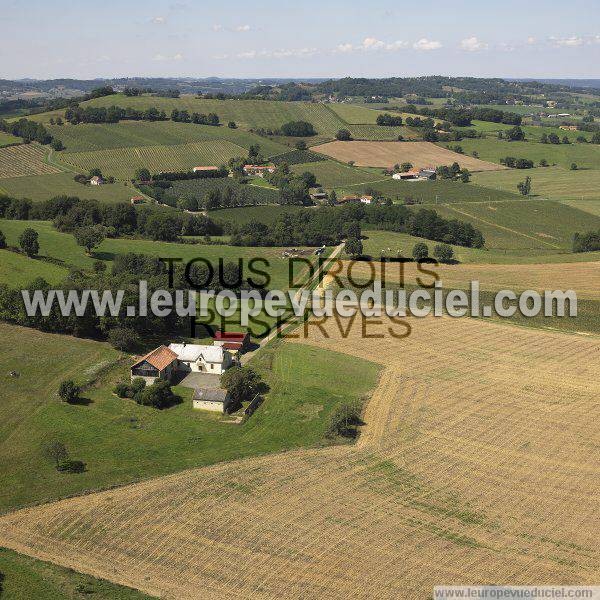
<point>25,159</point>
<point>583,277</point>
<point>387,154</point>
<point>479,463</point>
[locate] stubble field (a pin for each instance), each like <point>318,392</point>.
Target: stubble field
<point>478,463</point>
<point>387,154</point>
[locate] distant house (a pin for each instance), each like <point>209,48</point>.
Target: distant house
<point>258,170</point>
<point>345,199</point>
<point>161,363</point>
<point>202,359</point>
<point>317,194</point>
<point>235,343</point>
<point>569,127</point>
<point>366,199</point>
<point>138,200</point>
<point>95,180</point>
<point>214,399</point>
<point>196,169</point>
<point>416,175</point>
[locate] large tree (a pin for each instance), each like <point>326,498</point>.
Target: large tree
<point>89,237</point>
<point>28,241</point>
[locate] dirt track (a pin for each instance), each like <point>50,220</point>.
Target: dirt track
<point>479,462</point>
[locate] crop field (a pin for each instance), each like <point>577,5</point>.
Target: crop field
<point>549,182</point>
<point>114,436</point>
<point>43,187</point>
<point>474,464</point>
<point>526,223</point>
<point>122,162</point>
<point>355,114</point>
<point>387,154</point>
<point>246,113</point>
<point>439,191</point>
<point>333,174</point>
<point>582,277</point>
<point>22,160</point>
<point>296,157</point>
<point>533,133</point>
<point>106,136</point>
<point>7,139</point>
<point>17,270</point>
<point>381,134</point>
<point>585,156</point>
<point>391,244</point>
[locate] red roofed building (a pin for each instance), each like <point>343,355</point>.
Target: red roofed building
<point>234,342</point>
<point>161,363</point>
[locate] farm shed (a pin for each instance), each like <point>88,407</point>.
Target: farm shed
<point>161,363</point>
<point>232,340</point>
<point>214,399</point>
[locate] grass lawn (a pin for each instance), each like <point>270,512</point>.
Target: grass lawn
<point>26,578</point>
<point>121,441</point>
<point>584,155</point>
<point>551,182</point>
<point>591,206</point>
<point>332,174</point>
<point>44,187</point>
<point>18,270</point>
<point>355,113</point>
<point>7,138</point>
<point>63,247</point>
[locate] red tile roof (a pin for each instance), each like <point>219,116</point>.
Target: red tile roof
<point>232,336</point>
<point>159,358</point>
<point>206,168</point>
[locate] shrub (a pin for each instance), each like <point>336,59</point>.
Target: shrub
<point>242,383</point>
<point>420,251</point>
<point>69,391</point>
<point>443,252</point>
<point>353,247</point>
<point>158,395</point>
<point>343,135</point>
<point>344,420</point>
<point>71,466</point>
<point>2,241</point>
<point>123,390</point>
<point>28,241</point>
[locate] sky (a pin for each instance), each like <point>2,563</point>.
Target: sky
<point>304,38</point>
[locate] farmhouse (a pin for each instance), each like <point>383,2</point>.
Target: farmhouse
<point>568,127</point>
<point>344,199</point>
<point>197,169</point>
<point>95,180</point>
<point>161,363</point>
<point>138,200</point>
<point>258,170</point>
<point>215,399</point>
<point>416,175</point>
<point>202,359</point>
<point>366,199</point>
<point>318,194</point>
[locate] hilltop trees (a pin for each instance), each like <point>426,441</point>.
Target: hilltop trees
<point>388,120</point>
<point>298,129</point>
